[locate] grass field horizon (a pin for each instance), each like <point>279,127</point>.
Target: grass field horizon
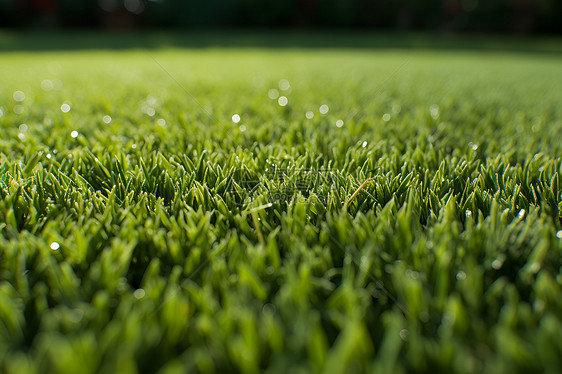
<point>172,207</point>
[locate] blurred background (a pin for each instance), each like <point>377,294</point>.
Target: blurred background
<point>497,16</point>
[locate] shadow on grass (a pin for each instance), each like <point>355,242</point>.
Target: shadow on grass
<point>40,40</point>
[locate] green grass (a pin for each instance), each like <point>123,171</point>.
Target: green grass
<point>202,245</point>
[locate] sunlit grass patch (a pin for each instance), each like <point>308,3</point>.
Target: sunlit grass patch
<point>194,221</point>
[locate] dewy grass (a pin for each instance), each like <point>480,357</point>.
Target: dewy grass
<point>140,235</point>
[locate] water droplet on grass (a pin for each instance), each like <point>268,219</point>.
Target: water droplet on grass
<point>55,246</point>
<point>150,111</point>
<point>134,146</point>
<point>309,115</point>
<point>324,109</point>
<point>434,111</point>
<point>47,85</point>
<point>23,127</point>
<point>236,118</point>
<point>461,275</point>
<point>19,96</point>
<point>386,117</point>
<point>107,119</point>
<point>364,144</point>
<point>74,134</point>
<point>339,123</point>
<point>65,108</point>
<point>242,128</point>
<point>559,234</point>
<point>139,293</point>
<point>284,85</point>
<point>161,122</point>
<point>151,100</point>
<point>497,264</point>
<point>21,135</point>
<point>273,94</point>
<point>283,101</point>
<point>404,334</point>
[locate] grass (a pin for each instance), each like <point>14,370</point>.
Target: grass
<point>133,244</point>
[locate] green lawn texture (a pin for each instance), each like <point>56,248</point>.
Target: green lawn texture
<point>144,230</point>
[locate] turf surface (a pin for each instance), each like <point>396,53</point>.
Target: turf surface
<point>162,210</point>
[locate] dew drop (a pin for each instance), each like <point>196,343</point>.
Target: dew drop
<point>284,85</point>
<point>434,111</point>
<point>47,85</point>
<point>324,109</point>
<point>74,134</point>
<point>139,293</point>
<point>283,101</point>
<point>273,94</point>
<point>151,100</point>
<point>235,118</point>
<point>339,123</point>
<point>497,264</point>
<point>19,96</point>
<point>55,246</point>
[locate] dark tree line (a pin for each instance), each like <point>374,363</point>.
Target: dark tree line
<point>521,16</point>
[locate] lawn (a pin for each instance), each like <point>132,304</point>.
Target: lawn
<point>180,208</point>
